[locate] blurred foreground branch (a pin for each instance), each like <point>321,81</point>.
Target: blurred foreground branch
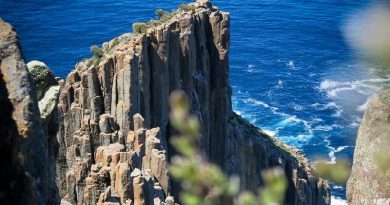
<point>204,183</point>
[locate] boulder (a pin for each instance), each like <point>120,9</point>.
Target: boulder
<point>42,75</point>
<point>46,86</point>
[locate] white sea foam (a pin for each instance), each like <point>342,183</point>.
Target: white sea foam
<point>317,119</point>
<point>291,65</point>
<point>295,106</point>
<point>326,127</point>
<point>293,119</point>
<point>338,201</point>
<point>337,187</point>
<point>333,151</point>
<point>327,142</point>
<point>257,102</point>
<point>338,111</point>
<point>364,87</point>
<point>260,103</point>
<point>251,68</point>
<point>269,132</point>
<point>363,107</point>
<point>280,84</point>
<point>264,104</point>
<point>327,106</point>
<point>355,121</point>
<point>354,124</point>
<point>305,138</point>
<point>326,84</point>
<point>333,93</point>
<point>286,121</point>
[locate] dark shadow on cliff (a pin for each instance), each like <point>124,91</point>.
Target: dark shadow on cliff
<point>15,185</point>
<point>53,151</point>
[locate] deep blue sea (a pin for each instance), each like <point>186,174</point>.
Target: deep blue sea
<point>292,72</point>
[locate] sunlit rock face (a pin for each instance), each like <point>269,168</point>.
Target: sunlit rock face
<point>370,177</point>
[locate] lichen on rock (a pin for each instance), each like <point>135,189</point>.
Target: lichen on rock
<point>369,182</point>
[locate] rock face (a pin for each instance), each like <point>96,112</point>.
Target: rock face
<point>109,153</point>
<point>25,170</point>
<point>369,180</point>
<point>47,89</point>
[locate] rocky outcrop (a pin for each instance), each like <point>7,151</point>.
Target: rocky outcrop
<point>25,171</point>
<point>47,88</point>
<point>110,154</point>
<point>133,172</point>
<point>369,180</point>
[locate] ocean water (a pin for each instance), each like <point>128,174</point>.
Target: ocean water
<point>292,72</point>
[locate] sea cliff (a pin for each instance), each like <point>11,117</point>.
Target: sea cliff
<point>369,182</point>
<point>110,141</point>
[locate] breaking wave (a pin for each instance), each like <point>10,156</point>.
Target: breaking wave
<point>337,109</point>
<point>366,87</point>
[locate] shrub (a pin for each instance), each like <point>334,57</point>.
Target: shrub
<point>97,52</point>
<point>90,62</point>
<point>167,17</point>
<point>84,59</point>
<point>96,61</point>
<point>160,13</point>
<point>139,28</point>
<point>186,7</point>
<point>114,43</point>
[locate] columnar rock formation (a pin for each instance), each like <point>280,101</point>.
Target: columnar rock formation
<point>369,182</point>
<point>101,146</point>
<point>112,129</point>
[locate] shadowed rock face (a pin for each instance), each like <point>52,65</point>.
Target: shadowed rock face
<point>108,151</point>
<point>369,182</point>
<point>11,171</point>
<point>25,169</point>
